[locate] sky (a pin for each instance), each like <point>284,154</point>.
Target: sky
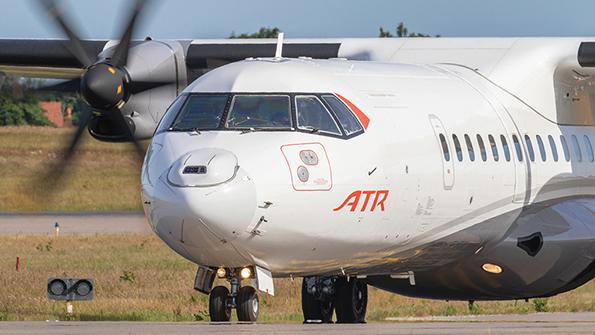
<point>193,19</point>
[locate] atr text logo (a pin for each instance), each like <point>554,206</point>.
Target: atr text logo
<point>353,201</point>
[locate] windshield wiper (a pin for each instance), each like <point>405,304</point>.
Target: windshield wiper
<point>311,129</point>
<point>247,130</point>
<point>195,130</point>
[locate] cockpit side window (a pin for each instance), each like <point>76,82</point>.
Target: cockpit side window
<point>171,114</point>
<point>346,118</point>
<point>313,116</point>
<point>259,112</point>
<point>201,112</point>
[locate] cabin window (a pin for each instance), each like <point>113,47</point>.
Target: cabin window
<point>482,148</point>
<point>346,118</point>
<point>577,148</point>
<point>541,148</point>
<point>458,148</point>
<point>259,112</point>
<point>494,148</point>
<point>200,112</point>
<point>553,147</point>
<point>589,149</point>
<point>314,117</point>
<point>565,148</point>
<point>518,148</point>
<point>505,147</point>
<point>470,148</point>
<point>445,150</point>
<point>530,148</point>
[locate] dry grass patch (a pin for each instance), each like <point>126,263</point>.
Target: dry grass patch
<point>101,177</point>
<point>140,278</point>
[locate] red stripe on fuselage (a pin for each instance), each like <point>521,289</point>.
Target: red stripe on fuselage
<point>363,118</point>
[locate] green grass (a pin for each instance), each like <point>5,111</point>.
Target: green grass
<point>162,286</point>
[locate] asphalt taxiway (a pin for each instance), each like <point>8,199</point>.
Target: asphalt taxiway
<point>542,324</point>
<point>74,223</point>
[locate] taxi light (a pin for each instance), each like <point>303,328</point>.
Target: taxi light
<point>221,272</point>
<point>246,273</point>
<point>491,268</point>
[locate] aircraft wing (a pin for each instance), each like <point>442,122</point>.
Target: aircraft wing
<point>43,58</point>
<point>51,58</point>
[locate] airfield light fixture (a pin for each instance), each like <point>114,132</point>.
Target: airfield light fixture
<point>492,268</point>
<point>246,273</point>
<point>70,289</point>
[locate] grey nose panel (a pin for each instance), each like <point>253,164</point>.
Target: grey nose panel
<point>203,168</point>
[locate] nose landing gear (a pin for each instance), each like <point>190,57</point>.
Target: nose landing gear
<point>347,297</point>
<point>243,299</point>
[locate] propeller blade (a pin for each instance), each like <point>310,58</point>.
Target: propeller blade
<point>85,115</point>
<point>120,56</point>
<point>72,85</point>
<point>53,180</point>
<point>75,46</point>
<point>18,92</point>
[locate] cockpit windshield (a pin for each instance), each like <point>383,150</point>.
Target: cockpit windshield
<point>315,113</point>
<point>201,112</point>
<point>259,112</point>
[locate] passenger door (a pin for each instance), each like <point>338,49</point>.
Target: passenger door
<point>448,170</point>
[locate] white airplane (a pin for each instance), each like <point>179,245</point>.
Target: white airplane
<point>451,168</point>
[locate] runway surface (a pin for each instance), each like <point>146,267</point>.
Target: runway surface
<point>542,324</point>
<point>75,223</point>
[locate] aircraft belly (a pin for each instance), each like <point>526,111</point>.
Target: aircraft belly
<point>563,259</point>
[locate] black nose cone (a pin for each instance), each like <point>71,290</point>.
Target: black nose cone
<point>103,86</point>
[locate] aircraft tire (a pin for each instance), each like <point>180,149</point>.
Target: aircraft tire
<point>314,310</point>
<point>351,300</point>
<point>218,307</point>
<point>248,305</point>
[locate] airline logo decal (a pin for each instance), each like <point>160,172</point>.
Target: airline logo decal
<point>372,201</point>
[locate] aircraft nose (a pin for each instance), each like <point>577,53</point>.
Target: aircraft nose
<point>216,194</point>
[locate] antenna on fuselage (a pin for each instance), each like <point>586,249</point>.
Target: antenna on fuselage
<point>279,51</point>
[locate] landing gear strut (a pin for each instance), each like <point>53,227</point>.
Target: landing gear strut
<point>243,299</point>
<point>348,297</point>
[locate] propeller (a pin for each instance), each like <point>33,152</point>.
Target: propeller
<point>105,84</point>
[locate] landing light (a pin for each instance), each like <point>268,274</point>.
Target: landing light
<point>221,272</point>
<point>491,268</point>
<point>246,273</point>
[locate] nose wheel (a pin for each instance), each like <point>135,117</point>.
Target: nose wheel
<point>243,299</point>
<point>219,306</point>
<point>247,306</point>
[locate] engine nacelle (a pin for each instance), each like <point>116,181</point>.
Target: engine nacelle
<point>157,73</point>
